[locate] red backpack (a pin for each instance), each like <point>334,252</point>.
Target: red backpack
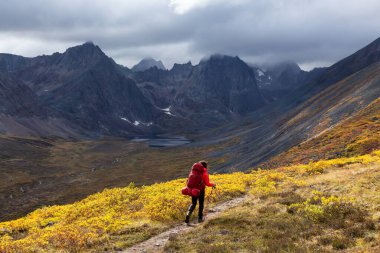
<point>194,182</point>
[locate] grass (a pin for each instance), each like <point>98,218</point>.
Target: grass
<point>37,173</point>
<point>333,210</point>
<point>354,136</point>
<point>300,208</point>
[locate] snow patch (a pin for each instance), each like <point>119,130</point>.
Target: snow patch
<point>125,119</point>
<point>167,111</point>
<point>136,122</point>
<point>260,73</point>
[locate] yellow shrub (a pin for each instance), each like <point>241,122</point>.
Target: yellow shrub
<point>328,209</point>
<point>95,219</point>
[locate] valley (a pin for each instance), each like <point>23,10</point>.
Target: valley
<point>38,172</point>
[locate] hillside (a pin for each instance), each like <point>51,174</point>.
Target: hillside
<point>326,205</point>
<point>335,211</point>
<point>357,135</point>
<point>275,129</point>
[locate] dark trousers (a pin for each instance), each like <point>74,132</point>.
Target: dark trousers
<point>201,199</point>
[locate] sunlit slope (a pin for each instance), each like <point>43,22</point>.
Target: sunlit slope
<point>273,130</point>
<point>117,218</point>
<point>335,210</point>
<point>357,135</point>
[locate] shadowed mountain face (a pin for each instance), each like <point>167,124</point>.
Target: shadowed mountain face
<point>46,73</point>
<point>282,76</point>
<point>22,112</point>
<point>225,83</point>
<point>210,93</point>
<point>88,91</point>
<point>18,99</point>
<point>99,98</point>
<point>279,80</point>
<point>85,87</point>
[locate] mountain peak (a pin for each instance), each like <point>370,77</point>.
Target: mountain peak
<point>285,66</point>
<point>180,67</point>
<point>148,63</point>
<point>219,57</point>
<point>87,48</point>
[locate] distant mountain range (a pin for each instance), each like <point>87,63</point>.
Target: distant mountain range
<point>84,93</point>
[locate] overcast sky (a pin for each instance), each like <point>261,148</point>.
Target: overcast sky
<point>309,32</point>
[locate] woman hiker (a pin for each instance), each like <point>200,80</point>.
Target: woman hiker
<point>199,168</point>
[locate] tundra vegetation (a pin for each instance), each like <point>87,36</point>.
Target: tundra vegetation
<point>325,205</point>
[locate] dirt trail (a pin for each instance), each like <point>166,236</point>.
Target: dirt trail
<point>158,242</point>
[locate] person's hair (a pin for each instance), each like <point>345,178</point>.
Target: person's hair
<point>204,163</point>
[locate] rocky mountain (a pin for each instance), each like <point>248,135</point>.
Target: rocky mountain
<point>307,111</point>
<point>285,76</point>
<point>221,83</point>
<point>214,91</point>
<point>148,63</point>
<point>278,80</point>
<point>16,98</point>
<point>22,113</point>
<point>95,96</point>
<point>84,86</point>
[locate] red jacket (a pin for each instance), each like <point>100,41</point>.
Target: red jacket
<point>206,180</point>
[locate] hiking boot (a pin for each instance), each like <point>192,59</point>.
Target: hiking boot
<point>187,219</point>
<point>200,220</point>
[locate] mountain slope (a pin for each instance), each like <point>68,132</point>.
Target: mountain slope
<point>357,135</point>
<point>22,112</point>
<point>148,63</point>
<point>18,99</point>
<point>214,91</point>
<point>88,89</point>
<point>100,99</point>
<point>225,83</point>
<point>281,125</point>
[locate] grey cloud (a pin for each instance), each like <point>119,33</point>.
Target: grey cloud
<point>262,30</point>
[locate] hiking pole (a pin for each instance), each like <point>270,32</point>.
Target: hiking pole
<point>208,201</point>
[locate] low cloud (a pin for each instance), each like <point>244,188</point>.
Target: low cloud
<point>308,32</point>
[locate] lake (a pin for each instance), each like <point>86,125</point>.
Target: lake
<point>165,142</point>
